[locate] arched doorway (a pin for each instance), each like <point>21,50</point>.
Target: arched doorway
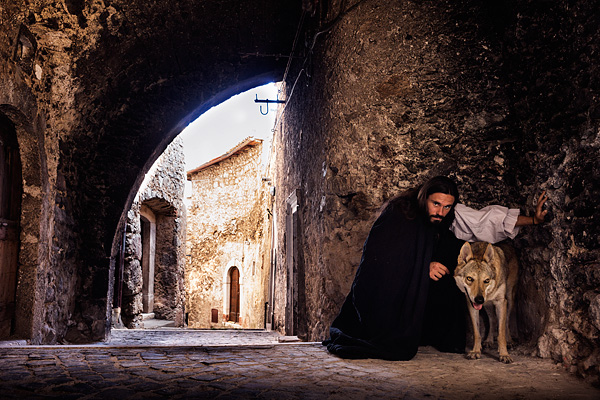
<point>234,295</point>
<point>10,211</point>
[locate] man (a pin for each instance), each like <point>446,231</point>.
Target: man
<point>384,312</point>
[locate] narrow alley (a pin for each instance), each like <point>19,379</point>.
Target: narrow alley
<point>199,364</point>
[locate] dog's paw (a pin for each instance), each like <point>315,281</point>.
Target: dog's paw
<point>474,355</point>
<point>506,359</point>
<point>488,344</point>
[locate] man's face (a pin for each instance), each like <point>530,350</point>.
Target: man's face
<point>438,206</point>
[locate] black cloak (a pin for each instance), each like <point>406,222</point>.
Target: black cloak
<point>384,312</point>
<point>445,322</point>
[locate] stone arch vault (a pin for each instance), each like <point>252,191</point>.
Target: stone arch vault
<point>104,87</point>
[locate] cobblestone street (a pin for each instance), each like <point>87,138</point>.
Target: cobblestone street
<point>189,364</point>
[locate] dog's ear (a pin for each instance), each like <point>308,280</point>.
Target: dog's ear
<point>489,253</point>
<point>465,253</point>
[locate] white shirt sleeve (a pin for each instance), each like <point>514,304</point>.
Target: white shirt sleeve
<point>490,224</point>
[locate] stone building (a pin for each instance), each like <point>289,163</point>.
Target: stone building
<point>154,253</point>
<point>502,96</point>
<point>226,274</point>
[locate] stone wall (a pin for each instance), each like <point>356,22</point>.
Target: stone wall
<point>501,98</point>
<point>36,86</point>
<point>406,91</point>
<point>160,196</point>
<point>552,63</point>
<point>226,228</point>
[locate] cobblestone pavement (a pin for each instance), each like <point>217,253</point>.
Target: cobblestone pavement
<point>188,364</point>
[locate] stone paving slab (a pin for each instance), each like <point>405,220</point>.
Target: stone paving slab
<point>270,371</point>
<point>190,337</point>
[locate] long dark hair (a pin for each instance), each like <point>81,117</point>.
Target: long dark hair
<point>438,184</point>
<point>413,202</point>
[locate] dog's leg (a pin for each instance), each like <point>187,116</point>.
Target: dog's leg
<point>476,352</point>
<point>510,302</point>
<point>509,306</point>
<point>502,330</point>
<point>488,341</point>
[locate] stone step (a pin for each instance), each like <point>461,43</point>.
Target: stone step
<point>288,339</point>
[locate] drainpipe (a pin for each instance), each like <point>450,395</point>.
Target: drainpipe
<point>119,292</point>
<point>273,265</point>
<point>122,264</point>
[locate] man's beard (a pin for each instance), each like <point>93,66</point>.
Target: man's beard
<point>436,219</point>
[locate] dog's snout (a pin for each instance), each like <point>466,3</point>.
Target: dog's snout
<point>479,300</point>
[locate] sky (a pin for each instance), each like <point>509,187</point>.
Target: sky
<point>224,126</point>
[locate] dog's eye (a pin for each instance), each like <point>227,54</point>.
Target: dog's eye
<point>486,281</point>
<point>469,279</point>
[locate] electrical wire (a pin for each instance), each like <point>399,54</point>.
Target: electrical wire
<point>334,22</point>
<point>298,30</point>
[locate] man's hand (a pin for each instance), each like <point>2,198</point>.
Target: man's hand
<point>540,213</point>
<point>437,270</point>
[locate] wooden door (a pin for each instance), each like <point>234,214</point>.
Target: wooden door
<point>10,211</point>
<point>234,295</point>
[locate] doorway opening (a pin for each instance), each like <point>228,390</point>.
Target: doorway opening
<point>296,298</point>
<point>148,231</point>
<point>11,189</point>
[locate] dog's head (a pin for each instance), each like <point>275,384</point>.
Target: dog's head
<point>475,274</point>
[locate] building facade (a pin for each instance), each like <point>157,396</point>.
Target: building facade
<point>227,267</point>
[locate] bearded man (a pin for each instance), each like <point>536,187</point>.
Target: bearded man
<point>409,246</point>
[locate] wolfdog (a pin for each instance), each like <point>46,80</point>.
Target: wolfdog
<point>487,275</point>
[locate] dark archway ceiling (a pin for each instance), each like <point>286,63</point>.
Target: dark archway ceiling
<point>153,67</point>
<point>157,66</point>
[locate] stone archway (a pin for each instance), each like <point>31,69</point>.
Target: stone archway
<point>153,268</point>
<point>108,109</point>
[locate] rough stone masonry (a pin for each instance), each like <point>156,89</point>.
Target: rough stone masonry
<point>154,254</point>
<point>502,96</point>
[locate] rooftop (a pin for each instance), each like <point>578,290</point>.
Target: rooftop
<point>249,141</point>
